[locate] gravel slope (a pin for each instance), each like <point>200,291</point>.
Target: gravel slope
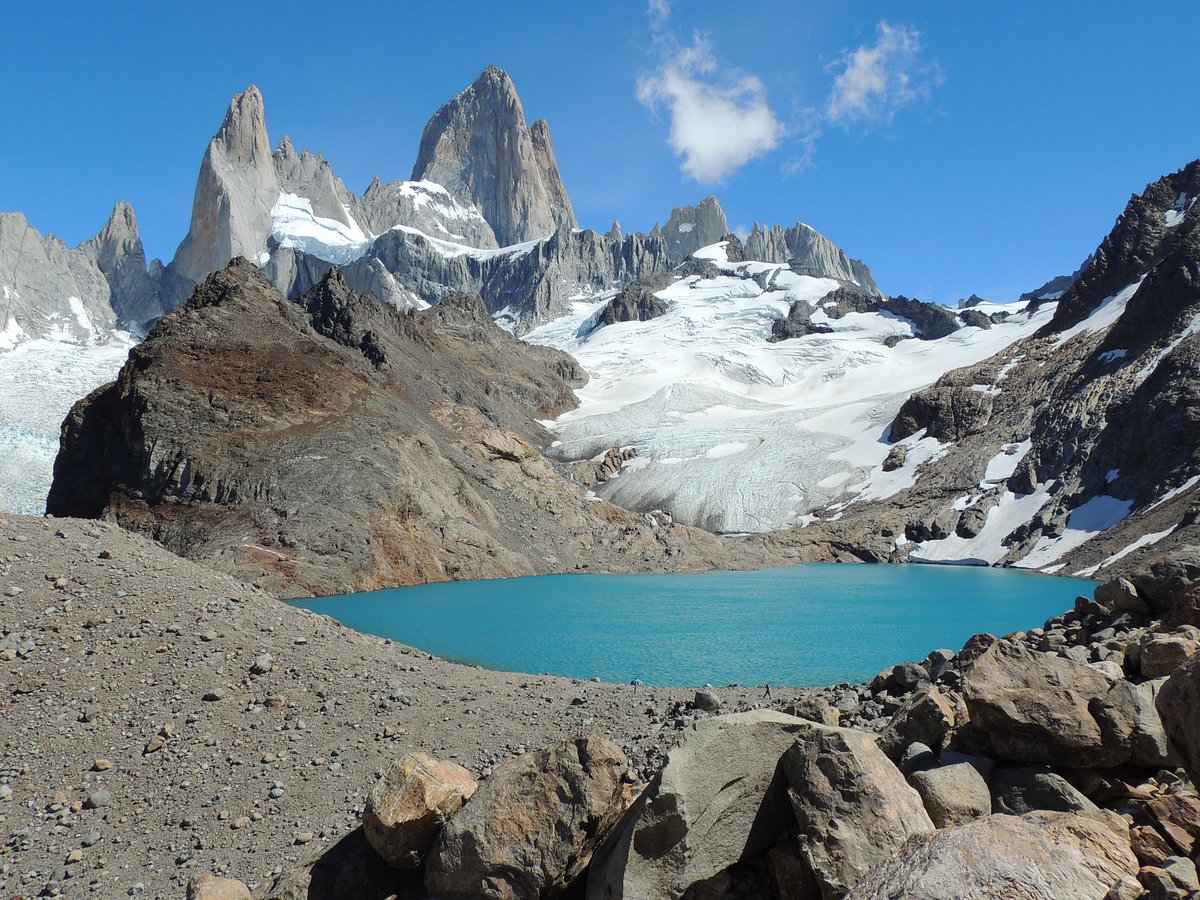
<point>109,647</point>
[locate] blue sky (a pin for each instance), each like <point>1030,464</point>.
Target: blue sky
<point>955,147</point>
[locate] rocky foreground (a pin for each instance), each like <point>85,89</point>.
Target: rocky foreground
<point>163,724</point>
<point>158,719</point>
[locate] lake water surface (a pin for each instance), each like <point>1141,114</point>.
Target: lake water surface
<point>814,624</point>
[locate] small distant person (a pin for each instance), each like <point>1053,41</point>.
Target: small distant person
<point>637,682</point>
<point>767,692</point>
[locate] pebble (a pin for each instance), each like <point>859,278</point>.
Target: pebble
<point>102,765</point>
<point>262,664</point>
<point>214,695</point>
<point>305,837</point>
<point>97,799</point>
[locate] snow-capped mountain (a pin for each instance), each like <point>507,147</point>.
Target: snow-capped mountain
<point>737,431</point>
<point>1074,449</point>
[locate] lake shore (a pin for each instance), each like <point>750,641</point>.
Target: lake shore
<point>138,734</point>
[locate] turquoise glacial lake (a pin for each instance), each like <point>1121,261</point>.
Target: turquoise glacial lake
<point>806,625</point>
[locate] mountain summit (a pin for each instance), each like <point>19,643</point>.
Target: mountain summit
<point>479,148</point>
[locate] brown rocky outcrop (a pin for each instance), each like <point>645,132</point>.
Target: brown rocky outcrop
<point>337,444</point>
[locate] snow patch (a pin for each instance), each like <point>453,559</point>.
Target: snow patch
<point>986,548</point>
<point>294,224</point>
<point>1000,467</point>
<point>40,380</point>
<point>686,227</point>
<point>12,334</point>
<point>1084,523</point>
<point>1113,355</point>
<point>1174,492</point>
<point>1145,540</point>
<point>811,412</point>
<point>1104,315</point>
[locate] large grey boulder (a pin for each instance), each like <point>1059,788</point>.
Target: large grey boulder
<point>1017,790</point>
<point>852,805</point>
<point>409,805</point>
<point>952,794</point>
<point>1178,704</point>
<point>479,148</point>
<point>719,798</point>
<point>1041,856</point>
<point>1038,707</point>
<point>926,717</point>
<point>531,828</point>
<point>1169,578</point>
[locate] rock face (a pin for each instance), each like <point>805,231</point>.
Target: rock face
<point>1049,856</point>
<point>521,287</point>
<point>1038,707</point>
<point>810,252</point>
<point>408,806</point>
<point>531,828</point>
<point>853,806</point>
<point>79,294</point>
<point>1104,393</point>
<point>719,798</point>
<point>478,147</point>
<point>636,302</point>
<point>1178,704</point>
<point>225,438</point>
<point>691,227</point>
<point>231,212</point>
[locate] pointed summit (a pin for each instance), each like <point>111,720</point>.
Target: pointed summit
<point>479,148</point>
<point>693,227</point>
<point>231,212</point>
<point>243,134</point>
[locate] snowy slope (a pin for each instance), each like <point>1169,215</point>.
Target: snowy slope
<point>40,380</point>
<point>738,434</point>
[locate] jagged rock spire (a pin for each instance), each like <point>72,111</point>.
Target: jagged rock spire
<point>479,148</point>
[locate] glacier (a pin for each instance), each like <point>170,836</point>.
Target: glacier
<point>736,434</point>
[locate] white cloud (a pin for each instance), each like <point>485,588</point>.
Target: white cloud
<point>720,118</point>
<point>877,80</point>
<point>658,11</point>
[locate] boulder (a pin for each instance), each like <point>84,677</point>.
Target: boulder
<point>1178,704</point>
<point>707,701</point>
<point>815,709</point>
<point>409,804</point>
<point>1149,745</point>
<point>1037,707</point>
<point>952,794</point>
<point>1017,790</point>
<point>910,676</point>
<point>852,805</point>
<point>210,887</point>
<point>1040,856</point>
<point>1174,880</point>
<point>1169,579</point>
<point>1176,817</point>
<point>531,828</point>
<point>1119,595</point>
<point>926,717</point>
<point>719,798</point>
<point>1161,654</point>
